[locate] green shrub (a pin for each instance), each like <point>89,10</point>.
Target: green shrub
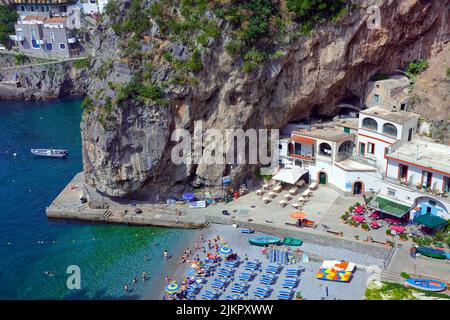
<point>365,226</point>
<point>233,48</point>
<point>81,63</point>
<point>448,72</point>
<point>416,67</point>
<point>20,58</point>
<point>388,232</point>
<point>8,17</point>
<point>195,64</point>
<point>87,104</point>
<point>404,275</point>
<point>151,92</point>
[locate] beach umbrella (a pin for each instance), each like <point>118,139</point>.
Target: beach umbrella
<point>297,215</point>
<point>188,196</point>
<point>225,250</point>
<point>172,287</point>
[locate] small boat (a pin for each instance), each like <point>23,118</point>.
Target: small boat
<point>426,284</point>
<point>264,241</point>
<point>432,253</point>
<point>247,230</point>
<point>52,153</point>
<point>295,242</point>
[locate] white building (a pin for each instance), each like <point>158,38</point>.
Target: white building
<point>381,131</point>
<point>326,152</point>
<point>418,174</point>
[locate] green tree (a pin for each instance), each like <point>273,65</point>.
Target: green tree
<point>8,18</point>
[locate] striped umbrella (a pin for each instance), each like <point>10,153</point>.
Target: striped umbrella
<point>172,287</point>
<point>225,250</point>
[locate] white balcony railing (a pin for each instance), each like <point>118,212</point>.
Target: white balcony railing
<point>15,37</point>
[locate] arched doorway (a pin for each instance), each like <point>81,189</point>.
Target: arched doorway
<point>358,188</point>
<point>322,177</point>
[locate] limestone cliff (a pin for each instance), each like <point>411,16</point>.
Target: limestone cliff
<point>126,138</point>
<point>39,79</point>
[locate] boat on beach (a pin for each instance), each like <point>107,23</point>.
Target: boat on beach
<point>295,242</point>
<point>432,253</point>
<point>52,153</point>
<point>426,284</point>
<point>338,265</point>
<point>264,241</point>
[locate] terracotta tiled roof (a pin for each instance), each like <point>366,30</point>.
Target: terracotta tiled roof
<point>56,20</point>
<point>33,18</point>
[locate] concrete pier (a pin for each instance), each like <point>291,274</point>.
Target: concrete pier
<point>68,205</point>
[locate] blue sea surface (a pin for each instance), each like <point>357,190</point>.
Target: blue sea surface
<point>31,245</point>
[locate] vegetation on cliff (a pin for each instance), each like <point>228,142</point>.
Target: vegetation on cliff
<point>251,31</point>
<point>8,18</point>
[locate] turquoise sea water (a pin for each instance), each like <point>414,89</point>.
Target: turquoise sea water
<point>108,255</point>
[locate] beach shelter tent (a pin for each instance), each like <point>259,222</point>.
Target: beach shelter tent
<point>290,175</point>
<point>430,221</point>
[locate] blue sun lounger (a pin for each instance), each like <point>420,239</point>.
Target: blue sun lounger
<point>284,295</point>
<point>246,276</point>
<point>209,295</point>
<point>231,264</point>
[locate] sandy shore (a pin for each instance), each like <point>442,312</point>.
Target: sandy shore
<point>310,287</point>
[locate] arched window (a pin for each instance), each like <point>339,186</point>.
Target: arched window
<point>390,130</point>
<point>325,149</point>
<point>370,124</point>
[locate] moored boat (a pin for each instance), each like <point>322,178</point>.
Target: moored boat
<point>295,242</point>
<point>432,253</point>
<point>52,153</point>
<point>426,284</point>
<point>264,241</point>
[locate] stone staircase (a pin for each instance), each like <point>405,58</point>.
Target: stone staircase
<point>391,276</point>
<point>106,215</point>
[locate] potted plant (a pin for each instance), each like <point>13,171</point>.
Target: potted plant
<point>403,236</point>
<point>356,237</point>
<point>389,232</point>
<point>298,296</point>
<point>365,226</point>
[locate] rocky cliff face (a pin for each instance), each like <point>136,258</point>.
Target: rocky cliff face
<point>40,81</point>
<point>126,141</point>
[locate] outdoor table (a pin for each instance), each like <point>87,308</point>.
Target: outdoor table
<point>313,186</point>
<point>271,194</point>
<point>374,215</point>
<point>266,199</point>
<point>277,188</point>
<point>296,205</point>
<point>293,191</point>
<point>282,202</point>
<point>259,192</point>
<point>375,224</point>
<point>306,193</point>
<point>287,196</point>
<point>265,186</point>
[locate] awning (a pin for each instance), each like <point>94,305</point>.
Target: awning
<point>391,207</point>
<point>290,174</point>
<point>430,221</point>
<point>302,139</point>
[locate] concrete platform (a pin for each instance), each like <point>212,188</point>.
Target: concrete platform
<point>67,205</point>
